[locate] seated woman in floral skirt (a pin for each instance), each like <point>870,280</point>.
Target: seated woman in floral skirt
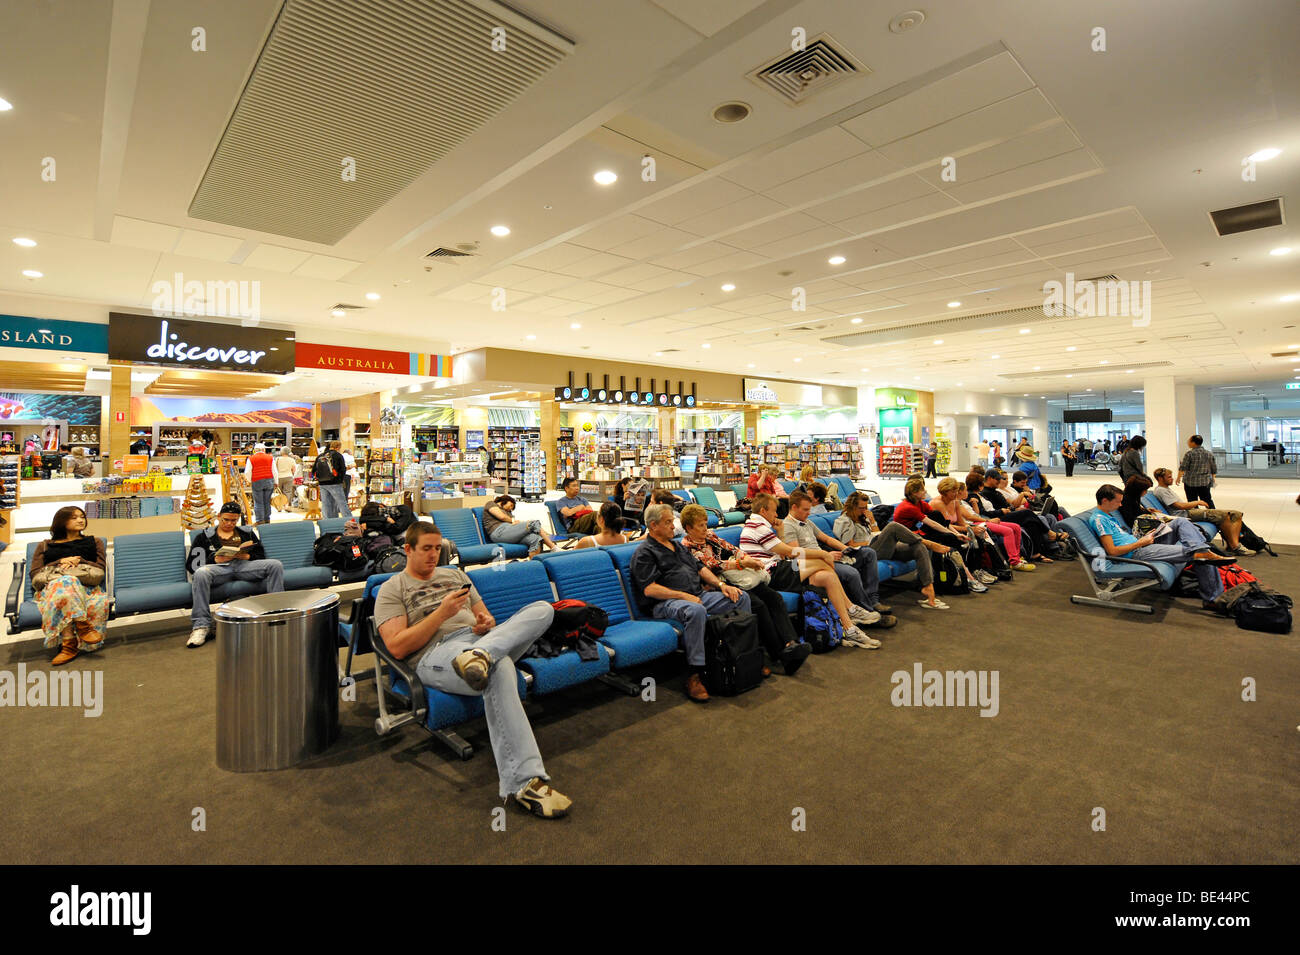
<point>68,573</point>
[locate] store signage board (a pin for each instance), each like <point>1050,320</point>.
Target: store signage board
<point>782,392</point>
<point>371,360</point>
<point>17,331</point>
<point>179,343</point>
<point>1292,386</point>
<point>134,464</point>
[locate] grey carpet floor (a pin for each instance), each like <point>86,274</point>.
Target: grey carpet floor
<point>1139,716</point>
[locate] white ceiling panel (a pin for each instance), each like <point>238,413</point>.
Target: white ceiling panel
<point>662,241</point>
<point>778,228</point>
<point>1001,120</point>
<point>1087,225</point>
<point>735,262</point>
<point>593,265</point>
<point>616,231</point>
<point>732,215</point>
<point>985,82</point>
<point>689,203</point>
<point>326,267</point>
<point>694,255</point>
<point>633,273</point>
<point>1001,157</point>
<point>276,258</point>
<point>889,193</point>
<point>667,279</point>
<point>1094,240</point>
<point>1076,163</point>
<point>139,234</point>
<point>207,245</point>
<point>470,292</point>
<point>838,177</point>
<point>789,162</point>
<point>557,256</point>
<point>543,282</point>
<point>896,214</point>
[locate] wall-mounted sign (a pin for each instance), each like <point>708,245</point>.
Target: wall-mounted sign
<point>896,398</point>
<point>782,393</point>
<point>1292,386</point>
<point>178,343</point>
<point>580,394</point>
<point>19,332</point>
<point>346,358</point>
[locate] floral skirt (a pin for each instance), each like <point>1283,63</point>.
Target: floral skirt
<point>64,601</point>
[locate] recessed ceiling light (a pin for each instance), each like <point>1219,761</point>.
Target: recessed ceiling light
<point>995,356</point>
<point>1036,367</point>
<point>916,377</point>
<point>1025,395</point>
<point>1090,389</point>
<point>337,312</point>
<point>707,345</point>
<point>1289,298</point>
<point>866,369</point>
<point>1282,250</point>
<point>728,287</point>
<point>1042,397</point>
<point>605,177</point>
<point>990,389</point>
<point>1025,331</point>
<point>531,338</point>
<point>836,260</point>
<point>33,274</point>
<point>1071,348</point>
<point>855,321</point>
<point>1069,376</point>
<point>575,326</point>
<point>938,341</point>
<point>373,296</point>
<point>659,354</point>
<point>5,105</point>
<point>1128,371</point>
<point>959,384</point>
<point>1264,155</point>
<point>500,230</point>
<point>954,304</point>
<point>31,243</point>
<point>1104,361</point>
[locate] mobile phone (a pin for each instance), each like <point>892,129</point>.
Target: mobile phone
<point>464,590</point>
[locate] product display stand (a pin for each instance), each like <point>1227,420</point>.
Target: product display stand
<point>196,511</point>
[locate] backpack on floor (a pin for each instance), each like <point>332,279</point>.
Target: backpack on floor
<point>733,658</point>
<point>1233,574</point>
<point>818,621</point>
<point>948,578</point>
<point>1265,612</point>
<point>338,552</point>
<point>993,558</point>
<point>1252,541</point>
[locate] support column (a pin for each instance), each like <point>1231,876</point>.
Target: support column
<point>378,402</point>
<point>751,426</point>
<point>1203,414</point>
<point>117,436</point>
<point>548,414</point>
<point>1164,450</point>
<point>352,411</point>
<point>667,418</point>
<point>1185,415</point>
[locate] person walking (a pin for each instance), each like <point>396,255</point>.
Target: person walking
<point>931,454</point>
<point>1069,457</point>
<point>259,471</point>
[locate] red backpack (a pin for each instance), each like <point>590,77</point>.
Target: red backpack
<point>575,619</point>
<point>1233,574</point>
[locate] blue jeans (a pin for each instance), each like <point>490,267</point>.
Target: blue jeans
<point>513,745</point>
<point>334,501</point>
<point>213,575</point>
<point>262,491</point>
<point>867,583</point>
<point>1178,548</point>
<point>520,532</point>
<point>692,616</point>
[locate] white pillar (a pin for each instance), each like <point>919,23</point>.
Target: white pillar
<point>1163,448</point>
<point>867,416</point>
<point>1185,413</point>
<point>1203,415</point>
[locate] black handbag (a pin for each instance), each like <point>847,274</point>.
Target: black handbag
<point>733,658</point>
<point>948,578</point>
<point>1263,611</point>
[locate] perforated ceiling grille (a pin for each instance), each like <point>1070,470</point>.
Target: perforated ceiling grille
<point>391,86</point>
<point>962,323</point>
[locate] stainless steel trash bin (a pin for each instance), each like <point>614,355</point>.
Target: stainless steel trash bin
<point>277,679</point>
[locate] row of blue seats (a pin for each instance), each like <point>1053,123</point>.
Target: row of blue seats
<point>598,576</point>
<point>146,572</point>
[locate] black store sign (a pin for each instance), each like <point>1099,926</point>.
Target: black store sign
<point>177,343</point>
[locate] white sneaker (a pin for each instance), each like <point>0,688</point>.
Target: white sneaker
<point>862,615</point>
<point>976,587</point>
<point>1242,551</point>
<point>984,577</point>
<point>854,637</point>
<point>198,637</point>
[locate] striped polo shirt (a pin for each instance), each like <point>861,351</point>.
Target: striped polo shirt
<point>757,540</point>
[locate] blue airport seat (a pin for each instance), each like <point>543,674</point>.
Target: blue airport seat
<point>292,544</point>
<point>557,522</point>
<point>149,573</point>
<point>515,551</point>
<point>590,575</point>
<point>706,497</point>
<point>1106,584</point>
<point>1205,527</point>
<point>459,526</point>
<point>508,588</point>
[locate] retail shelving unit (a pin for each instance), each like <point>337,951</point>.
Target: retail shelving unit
<point>892,461</point>
<point>943,459</point>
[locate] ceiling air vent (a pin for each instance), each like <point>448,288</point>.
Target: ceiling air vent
<point>346,307</point>
<point>1256,215</point>
<point>447,254</point>
<point>1284,354</point>
<point>799,76</point>
<point>896,334</point>
<point>350,101</point>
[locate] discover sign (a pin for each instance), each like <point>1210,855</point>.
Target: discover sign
<point>151,340</point>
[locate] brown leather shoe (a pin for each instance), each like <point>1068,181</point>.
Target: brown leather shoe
<point>767,672</point>
<point>67,652</point>
<point>695,689</point>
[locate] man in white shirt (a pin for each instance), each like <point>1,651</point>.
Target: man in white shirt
<point>1228,522</point>
<point>788,566</point>
<point>349,472</point>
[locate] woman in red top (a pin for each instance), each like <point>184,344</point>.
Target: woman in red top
<point>763,481</point>
<point>915,513</point>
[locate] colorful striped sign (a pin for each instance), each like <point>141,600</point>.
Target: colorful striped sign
<point>437,366</point>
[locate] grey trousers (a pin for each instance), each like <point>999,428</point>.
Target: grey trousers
<point>896,542</point>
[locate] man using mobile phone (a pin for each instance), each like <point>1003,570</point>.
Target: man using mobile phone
<point>223,553</point>
<point>432,618</point>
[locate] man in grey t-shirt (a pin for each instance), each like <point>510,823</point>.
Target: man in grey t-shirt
<point>432,618</point>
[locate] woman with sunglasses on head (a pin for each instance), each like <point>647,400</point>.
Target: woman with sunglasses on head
<point>68,573</point>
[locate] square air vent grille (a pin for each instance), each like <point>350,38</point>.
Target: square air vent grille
<point>344,306</point>
<point>799,76</point>
<point>447,254</point>
<point>1256,215</point>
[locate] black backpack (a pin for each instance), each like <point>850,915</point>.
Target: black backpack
<point>948,578</point>
<point>993,558</point>
<point>338,552</point>
<point>1249,539</point>
<point>375,545</point>
<point>733,658</point>
<point>388,561</point>
<point>1265,612</point>
<point>322,468</point>
<point>883,514</point>
<point>576,625</point>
